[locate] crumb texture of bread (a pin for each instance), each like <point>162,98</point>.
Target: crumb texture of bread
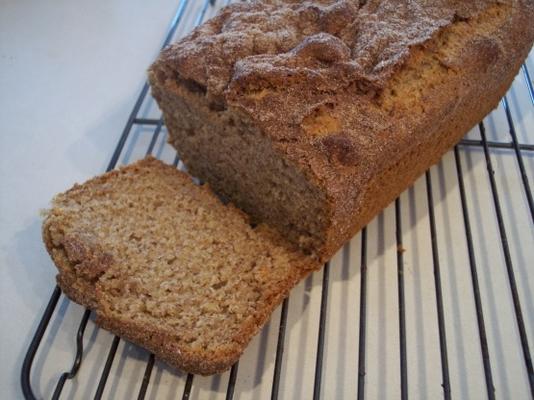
<point>168,266</point>
<point>314,115</point>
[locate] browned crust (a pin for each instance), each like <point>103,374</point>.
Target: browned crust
<point>165,349</point>
<point>69,252</point>
<point>482,77</point>
<point>390,183</point>
<point>82,296</point>
<point>370,161</point>
<point>81,262</point>
<point>75,289</point>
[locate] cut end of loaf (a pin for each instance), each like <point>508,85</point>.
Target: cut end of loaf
<point>240,162</point>
<point>168,266</point>
<point>312,117</point>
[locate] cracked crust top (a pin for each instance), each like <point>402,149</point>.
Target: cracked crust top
<point>336,84</point>
<point>332,42</point>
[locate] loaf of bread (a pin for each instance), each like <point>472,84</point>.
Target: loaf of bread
<point>168,266</point>
<point>314,115</point>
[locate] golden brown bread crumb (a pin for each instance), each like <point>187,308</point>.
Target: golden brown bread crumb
<point>167,265</point>
<point>314,115</point>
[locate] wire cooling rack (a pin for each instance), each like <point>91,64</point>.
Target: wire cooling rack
<point>434,298</point>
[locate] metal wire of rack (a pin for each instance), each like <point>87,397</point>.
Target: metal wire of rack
<point>451,368</point>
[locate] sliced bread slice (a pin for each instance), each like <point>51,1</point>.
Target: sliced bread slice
<point>168,266</point>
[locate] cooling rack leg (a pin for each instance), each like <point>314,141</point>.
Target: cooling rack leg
<point>78,358</point>
<point>146,377</point>
<point>279,350</point>
<point>402,307</point>
<point>320,339</point>
<point>231,381</point>
<point>107,368</point>
<point>490,389</point>
<point>439,296</point>
<point>363,317</point>
<point>34,345</point>
<point>188,386</point>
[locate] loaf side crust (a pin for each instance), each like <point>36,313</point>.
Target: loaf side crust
<point>344,92</point>
<point>73,258</point>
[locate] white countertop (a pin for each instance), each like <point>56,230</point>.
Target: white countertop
<point>69,74</point>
